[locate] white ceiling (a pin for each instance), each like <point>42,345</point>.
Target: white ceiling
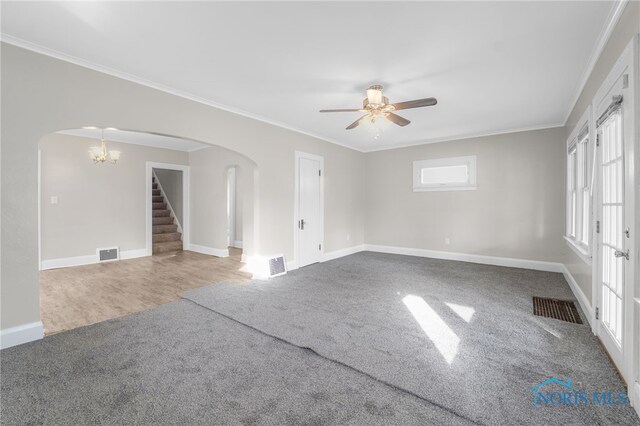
<point>493,66</point>
<point>138,138</point>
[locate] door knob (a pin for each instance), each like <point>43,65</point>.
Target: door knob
<point>619,253</point>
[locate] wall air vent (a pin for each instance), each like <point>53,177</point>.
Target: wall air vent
<point>108,254</point>
<point>277,266</point>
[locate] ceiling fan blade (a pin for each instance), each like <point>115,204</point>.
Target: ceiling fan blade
<point>340,110</point>
<point>416,104</point>
<point>400,121</point>
<point>356,123</point>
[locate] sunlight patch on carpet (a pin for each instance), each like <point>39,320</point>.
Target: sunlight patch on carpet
<point>444,339</point>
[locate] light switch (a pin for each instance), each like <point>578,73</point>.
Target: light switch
<point>54,199</point>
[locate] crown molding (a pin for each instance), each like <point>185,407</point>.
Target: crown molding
<point>15,41</point>
<point>612,21</point>
<point>469,136</point>
<point>200,148</point>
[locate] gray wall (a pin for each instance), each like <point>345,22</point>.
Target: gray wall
<point>627,27</point>
<point>171,182</point>
<point>209,196</point>
<point>517,210</point>
<point>99,205</point>
<point>42,95</point>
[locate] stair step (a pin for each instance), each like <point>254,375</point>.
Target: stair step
<point>154,186</point>
<point>160,229</point>
<point>163,220</point>
<point>158,199</point>
<point>161,213</point>
<point>155,192</point>
<point>167,236</point>
<point>167,246</point>
<point>159,206</point>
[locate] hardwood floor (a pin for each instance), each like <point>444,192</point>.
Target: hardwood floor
<point>83,295</point>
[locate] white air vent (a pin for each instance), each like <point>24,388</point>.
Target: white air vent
<point>277,266</point>
<point>264,267</point>
<point>108,254</point>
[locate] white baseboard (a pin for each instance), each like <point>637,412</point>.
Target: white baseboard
<point>473,258</point>
<point>21,334</point>
<point>635,398</point>
<point>342,252</point>
<point>538,265</point>
<point>237,244</point>
<point>251,261</point>
<point>66,262</point>
<point>258,265</point>
<point>582,298</point>
<point>498,261</point>
<point>292,265</point>
<point>209,250</point>
<point>132,254</point>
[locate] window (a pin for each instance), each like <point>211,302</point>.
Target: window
<point>579,191</point>
<point>572,194</point>
<point>445,174</point>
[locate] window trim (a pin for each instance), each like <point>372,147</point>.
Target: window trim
<point>580,182</point>
<point>572,190</point>
<point>470,161</point>
<point>579,250</point>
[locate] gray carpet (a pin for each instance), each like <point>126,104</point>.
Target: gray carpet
<point>357,311</point>
<point>183,364</point>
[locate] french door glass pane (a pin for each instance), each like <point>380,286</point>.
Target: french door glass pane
<point>612,224</point>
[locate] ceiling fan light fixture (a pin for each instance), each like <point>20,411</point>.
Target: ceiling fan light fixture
<point>376,107</point>
<point>374,95</point>
<point>377,115</point>
<point>375,125</point>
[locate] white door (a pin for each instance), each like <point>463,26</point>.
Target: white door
<point>612,237</point>
<point>309,225</point>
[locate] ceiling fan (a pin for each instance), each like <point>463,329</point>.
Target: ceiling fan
<point>378,107</point>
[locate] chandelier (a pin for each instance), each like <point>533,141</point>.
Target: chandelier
<point>100,155</point>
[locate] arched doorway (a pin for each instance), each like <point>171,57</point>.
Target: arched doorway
<point>89,209</point>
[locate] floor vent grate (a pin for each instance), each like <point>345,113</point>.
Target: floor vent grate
<point>563,310</point>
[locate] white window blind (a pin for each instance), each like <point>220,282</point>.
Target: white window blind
<point>445,174</point>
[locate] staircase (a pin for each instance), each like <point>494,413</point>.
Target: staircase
<point>166,237</point>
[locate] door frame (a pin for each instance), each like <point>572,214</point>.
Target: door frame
<point>231,207</point>
<point>630,365</point>
<point>39,209</point>
<point>296,207</point>
<point>150,165</point>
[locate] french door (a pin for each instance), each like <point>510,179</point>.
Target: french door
<point>616,206</point>
<point>612,239</point>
